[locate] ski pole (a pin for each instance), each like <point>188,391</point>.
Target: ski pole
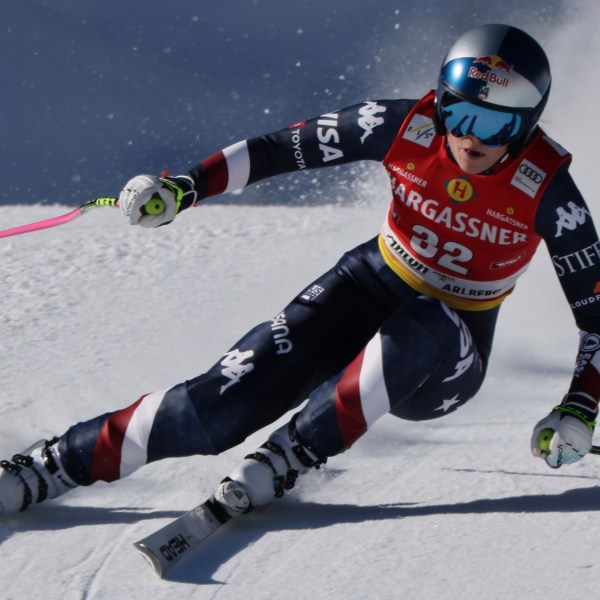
<point>62,219</point>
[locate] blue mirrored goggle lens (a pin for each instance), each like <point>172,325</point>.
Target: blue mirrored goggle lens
<point>490,127</point>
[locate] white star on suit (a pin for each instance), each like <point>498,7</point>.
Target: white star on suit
<point>446,404</point>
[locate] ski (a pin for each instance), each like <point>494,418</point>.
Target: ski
<point>167,546</point>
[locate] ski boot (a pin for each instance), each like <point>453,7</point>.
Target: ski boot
<point>32,477</point>
<point>267,473</point>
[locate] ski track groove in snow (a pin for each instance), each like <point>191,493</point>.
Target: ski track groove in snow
<point>100,562</point>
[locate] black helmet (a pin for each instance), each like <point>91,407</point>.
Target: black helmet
<point>499,68</point>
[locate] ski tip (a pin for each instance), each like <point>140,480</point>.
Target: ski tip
<point>150,557</point>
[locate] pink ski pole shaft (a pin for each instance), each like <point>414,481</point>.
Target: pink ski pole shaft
<point>62,219</point>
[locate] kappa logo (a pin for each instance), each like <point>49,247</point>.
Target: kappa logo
<point>234,367</point>
<point>368,119</point>
<point>420,130</point>
<point>570,220</point>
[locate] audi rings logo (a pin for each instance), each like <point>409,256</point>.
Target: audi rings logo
<point>530,173</point>
<point>528,178</point>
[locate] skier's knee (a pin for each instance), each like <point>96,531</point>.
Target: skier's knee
<point>442,368</point>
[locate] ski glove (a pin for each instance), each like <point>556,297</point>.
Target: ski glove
<point>149,201</point>
<point>565,435</point>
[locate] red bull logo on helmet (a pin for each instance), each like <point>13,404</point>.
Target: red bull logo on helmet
<point>494,63</point>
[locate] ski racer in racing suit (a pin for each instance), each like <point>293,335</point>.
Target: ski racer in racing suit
<point>403,323</point>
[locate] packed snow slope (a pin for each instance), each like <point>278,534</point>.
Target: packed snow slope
<point>95,313</point>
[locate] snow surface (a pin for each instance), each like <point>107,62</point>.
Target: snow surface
<point>95,313</point>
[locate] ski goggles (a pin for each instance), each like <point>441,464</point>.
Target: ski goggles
<point>490,127</point>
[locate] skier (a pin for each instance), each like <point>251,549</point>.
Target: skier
<point>404,322</point>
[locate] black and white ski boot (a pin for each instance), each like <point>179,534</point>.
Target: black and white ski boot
<point>267,473</point>
<point>32,477</point>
